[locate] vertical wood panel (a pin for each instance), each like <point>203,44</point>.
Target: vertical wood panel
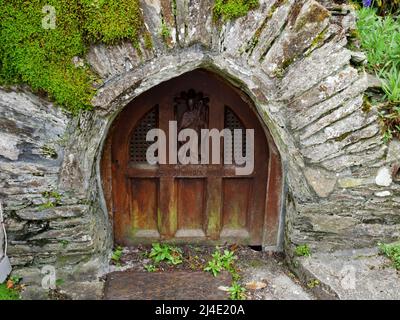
<point>167,213</point>
<point>144,204</point>
<point>214,207</point>
<point>190,207</point>
<point>236,203</point>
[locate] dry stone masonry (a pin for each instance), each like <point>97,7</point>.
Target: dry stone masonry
<point>290,57</point>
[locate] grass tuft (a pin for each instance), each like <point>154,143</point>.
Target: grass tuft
<point>380,39</point>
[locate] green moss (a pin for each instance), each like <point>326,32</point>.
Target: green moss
<point>148,41</point>
<point>233,9</point>
<point>109,21</point>
<point>35,53</point>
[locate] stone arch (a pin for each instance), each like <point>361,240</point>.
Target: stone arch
<point>290,57</point>
<point>273,230</point>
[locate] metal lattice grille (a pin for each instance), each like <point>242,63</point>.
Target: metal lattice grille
<point>138,144</point>
<point>232,122</point>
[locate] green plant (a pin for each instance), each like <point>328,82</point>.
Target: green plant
<point>302,251</point>
<point>117,254</point>
<point>380,39</point>
<point>233,9</point>
<point>59,282</point>
<point>214,266</point>
<point>392,251</point>
<point>150,268</point>
<point>165,32</point>
<point>313,283</point>
<point>221,262</point>
<point>10,290</point>
<point>49,152</point>
<point>8,293</point>
<point>166,253</point>
<point>148,41</point>
<point>53,200</point>
<point>237,292</point>
<point>64,243</point>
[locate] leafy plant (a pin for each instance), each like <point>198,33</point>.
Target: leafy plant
<point>302,251</point>
<point>380,39</point>
<point>165,32</point>
<point>53,200</point>
<point>64,243</point>
<point>10,290</point>
<point>221,262</point>
<point>117,254</point>
<point>59,282</point>
<point>392,251</point>
<point>214,266</point>
<point>313,283</point>
<point>150,268</point>
<point>8,293</point>
<point>164,252</point>
<point>237,292</point>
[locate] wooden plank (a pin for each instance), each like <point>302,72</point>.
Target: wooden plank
<point>190,201</point>
<point>167,212</point>
<point>144,205</point>
<point>236,203</point>
<point>214,207</point>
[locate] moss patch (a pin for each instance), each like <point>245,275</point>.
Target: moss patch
<point>233,9</point>
<point>40,38</point>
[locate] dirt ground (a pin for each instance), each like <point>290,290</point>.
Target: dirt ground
<point>263,274</point>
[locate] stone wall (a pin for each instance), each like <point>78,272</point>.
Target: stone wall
<point>1,243</point>
<point>290,57</point>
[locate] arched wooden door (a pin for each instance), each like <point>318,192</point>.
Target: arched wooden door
<point>190,203</point>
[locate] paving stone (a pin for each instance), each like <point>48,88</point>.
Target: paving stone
<point>133,285</point>
<point>360,274</point>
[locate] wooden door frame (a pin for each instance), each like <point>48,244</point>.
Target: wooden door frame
<point>274,184</point>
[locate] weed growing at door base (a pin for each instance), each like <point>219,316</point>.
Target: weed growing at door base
<point>165,253</point>
<point>220,262</point>
<point>116,255</point>
<point>226,261</point>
